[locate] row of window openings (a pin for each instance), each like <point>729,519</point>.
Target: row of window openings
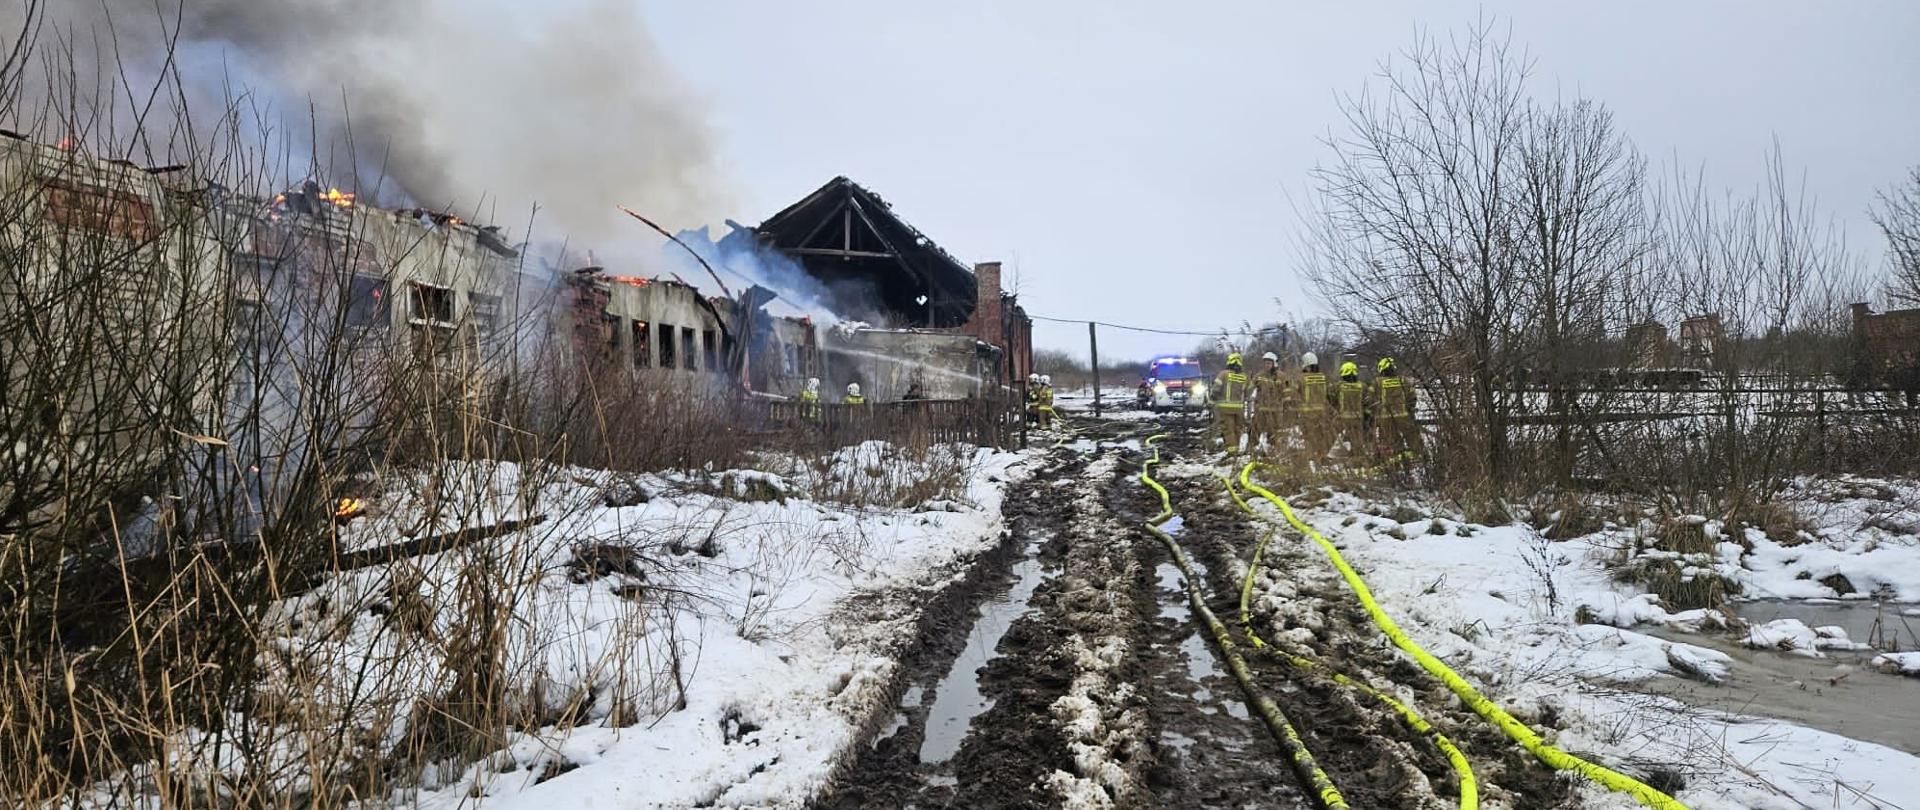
<point>427,305</point>
<point>676,347</point>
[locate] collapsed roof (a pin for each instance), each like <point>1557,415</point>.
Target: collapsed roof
<point>869,259</point>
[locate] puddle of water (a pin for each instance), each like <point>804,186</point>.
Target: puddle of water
<point>957,699</point>
<point>911,700</point>
<point>941,780</point>
<point>1238,710</point>
<point>1171,607</point>
<point>1838,694</point>
<point>1868,622</point>
<point>1177,741</point>
<point>1174,525</point>
<point>1200,663</point>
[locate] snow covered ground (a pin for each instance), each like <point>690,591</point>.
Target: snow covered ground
<point>805,604</point>
<point>715,640</point>
<point>1546,629</point>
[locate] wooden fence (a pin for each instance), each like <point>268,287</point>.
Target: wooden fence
<point>990,421</point>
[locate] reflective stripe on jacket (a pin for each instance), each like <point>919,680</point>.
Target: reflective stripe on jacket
<point>1270,392</point>
<point>1233,391</point>
<point>853,400</point>
<point>1393,396</point>
<point>1353,396</point>
<point>1313,392</point>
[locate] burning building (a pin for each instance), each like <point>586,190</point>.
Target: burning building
<point>877,267</point>
<point>895,312</point>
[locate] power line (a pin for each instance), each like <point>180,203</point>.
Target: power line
<point>1194,333</point>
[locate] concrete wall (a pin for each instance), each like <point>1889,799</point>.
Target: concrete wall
<point>652,320</point>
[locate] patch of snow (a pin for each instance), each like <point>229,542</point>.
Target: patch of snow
<point>1793,635</point>
<point>787,615</point>
<point>1904,663</point>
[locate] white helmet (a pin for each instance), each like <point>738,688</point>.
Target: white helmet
<point>813,384</point>
<point>1270,357</point>
<point>1309,359</point>
<point>1046,379</point>
<point>1034,378</point>
<point>853,389</point>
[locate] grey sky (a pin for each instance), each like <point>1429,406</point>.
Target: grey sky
<point>1133,161</point>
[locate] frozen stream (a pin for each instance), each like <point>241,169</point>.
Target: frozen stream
<point>1838,693</point>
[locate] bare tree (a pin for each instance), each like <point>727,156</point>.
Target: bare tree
<point>1583,240</point>
<point>1417,225</point>
<point>1898,215</point>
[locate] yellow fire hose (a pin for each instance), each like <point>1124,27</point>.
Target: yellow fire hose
<point>1462,769</point>
<point>1487,709</point>
<point>1277,723</point>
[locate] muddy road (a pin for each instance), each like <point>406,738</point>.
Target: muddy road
<point>1070,670</point>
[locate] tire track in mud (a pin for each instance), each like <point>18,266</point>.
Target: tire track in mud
<point>1209,750</point>
<point>1103,693</point>
<point>941,749</point>
<point>1374,758</point>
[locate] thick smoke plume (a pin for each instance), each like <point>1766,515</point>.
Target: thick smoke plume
<point>480,107</point>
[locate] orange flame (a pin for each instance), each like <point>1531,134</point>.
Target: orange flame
<point>337,197</point>
<point>349,508</point>
<point>632,280</point>
<point>66,144</point>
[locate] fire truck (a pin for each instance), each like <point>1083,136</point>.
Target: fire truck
<point>1173,383</point>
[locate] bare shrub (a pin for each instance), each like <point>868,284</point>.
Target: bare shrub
<point>187,400</point>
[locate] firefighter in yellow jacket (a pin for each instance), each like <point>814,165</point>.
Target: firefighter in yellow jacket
<point>1037,409</point>
<point>1313,407</point>
<point>1229,397</point>
<point>1350,408</point>
<point>1272,401</point>
<point>809,400</point>
<point>1047,414</point>
<point>1392,404</point>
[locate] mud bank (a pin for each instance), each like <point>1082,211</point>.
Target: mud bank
<point>1300,605</point>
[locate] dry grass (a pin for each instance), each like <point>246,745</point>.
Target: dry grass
<point>1676,564</point>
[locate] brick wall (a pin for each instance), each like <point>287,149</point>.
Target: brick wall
<point>998,321</point>
<point>1890,342</point>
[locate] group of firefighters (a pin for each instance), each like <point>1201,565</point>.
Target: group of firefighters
<point>809,398</point>
<point>1040,399</point>
<point>1358,416</point>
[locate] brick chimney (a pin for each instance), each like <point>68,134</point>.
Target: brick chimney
<point>986,321</point>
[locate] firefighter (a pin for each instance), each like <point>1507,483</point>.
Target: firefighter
<point>1313,407</point>
<point>810,400</point>
<point>1350,408</point>
<point>1272,399</point>
<point>1033,398</point>
<point>1392,407</point>
<point>1046,400</point>
<point>853,395</point>
<point>1034,414</point>
<point>1229,396</point>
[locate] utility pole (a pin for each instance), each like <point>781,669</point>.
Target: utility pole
<point>1093,348</point>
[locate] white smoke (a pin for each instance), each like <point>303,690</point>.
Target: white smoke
<point>740,259</point>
